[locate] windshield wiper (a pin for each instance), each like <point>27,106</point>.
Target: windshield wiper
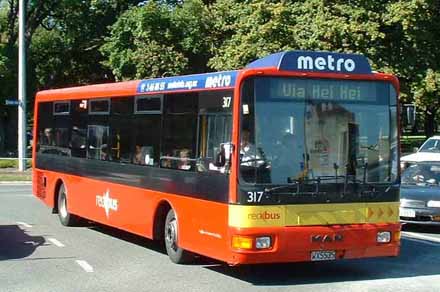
<point>294,185</point>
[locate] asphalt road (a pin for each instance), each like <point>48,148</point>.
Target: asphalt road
<point>38,254</point>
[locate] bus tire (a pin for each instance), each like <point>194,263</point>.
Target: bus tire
<point>66,218</point>
<point>176,254</point>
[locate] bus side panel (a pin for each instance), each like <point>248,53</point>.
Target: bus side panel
<point>44,185</point>
<point>204,227</point>
<point>203,224</point>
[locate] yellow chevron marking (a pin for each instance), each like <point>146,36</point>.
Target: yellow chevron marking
<point>370,213</point>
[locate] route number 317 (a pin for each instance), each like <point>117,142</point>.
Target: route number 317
<point>253,197</point>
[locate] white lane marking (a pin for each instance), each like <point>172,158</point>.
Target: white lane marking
<point>85,265</point>
<point>56,242</point>
<point>14,195</point>
<point>421,236</point>
<point>24,224</point>
<point>15,183</point>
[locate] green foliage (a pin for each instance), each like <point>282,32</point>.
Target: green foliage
<point>8,163</point>
<point>261,27</point>
<point>159,40</point>
<point>12,163</point>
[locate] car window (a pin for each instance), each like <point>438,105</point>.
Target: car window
<point>422,174</point>
<point>431,145</point>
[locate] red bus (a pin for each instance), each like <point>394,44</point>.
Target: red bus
<point>293,158</point>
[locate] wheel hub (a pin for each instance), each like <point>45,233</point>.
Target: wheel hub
<point>171,234</point>
<point>63,208</point>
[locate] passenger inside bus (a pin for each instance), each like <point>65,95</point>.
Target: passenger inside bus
<point>143,155</point>
<point>184,159</point>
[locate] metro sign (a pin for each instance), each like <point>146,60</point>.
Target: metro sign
<point>324,62</point>
<point>329,64</point>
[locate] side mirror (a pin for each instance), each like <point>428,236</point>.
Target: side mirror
<point>415,149</point>
<point>223,156</point>
<point>220,158</point>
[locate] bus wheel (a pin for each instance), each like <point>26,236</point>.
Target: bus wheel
<point>66,218</point>
<point>176,254</point>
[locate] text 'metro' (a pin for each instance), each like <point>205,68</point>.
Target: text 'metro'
<point>324,62</point>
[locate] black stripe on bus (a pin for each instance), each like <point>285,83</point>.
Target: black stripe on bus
<point>208,186</point>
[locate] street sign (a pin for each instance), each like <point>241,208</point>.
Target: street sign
<point>13,102</point>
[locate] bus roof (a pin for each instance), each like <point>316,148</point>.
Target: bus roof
<point>296,61</point>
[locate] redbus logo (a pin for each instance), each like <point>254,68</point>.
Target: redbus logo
<point>264,216</point>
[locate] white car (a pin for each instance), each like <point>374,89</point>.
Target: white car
<point>429,151</point>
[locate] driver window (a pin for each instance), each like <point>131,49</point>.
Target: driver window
<point>247,134</point>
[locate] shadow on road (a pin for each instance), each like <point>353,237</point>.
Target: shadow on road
<point>128,237</point>
<point>421,228</point>
<point>15,243</point>
<point>417,258</point>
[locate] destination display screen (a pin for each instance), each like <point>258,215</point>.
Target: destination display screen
<point>330,90</point>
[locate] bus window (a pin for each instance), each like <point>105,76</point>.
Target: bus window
<point>215,127</point>
<point>78,138</point>
<point>61,132</point>
<point>97,137</point>
<point>179,131</point>
<point>146,139</point>
<point>121,129</point>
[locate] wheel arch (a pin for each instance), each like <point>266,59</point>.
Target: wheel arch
<point>159,218</point>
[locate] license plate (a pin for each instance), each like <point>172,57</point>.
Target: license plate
<point>323,255</point>
<point>407,213</point>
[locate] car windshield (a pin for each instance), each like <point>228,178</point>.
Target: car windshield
<point>308,129</point>
<point>431,145</point>
<point>421,174</point>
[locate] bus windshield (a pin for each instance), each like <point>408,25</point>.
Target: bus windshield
<point>296,129</point>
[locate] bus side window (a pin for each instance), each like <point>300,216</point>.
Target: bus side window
<point>179,131</point>
<point>146,128</point>
<point>78,135</point>
<point>121,129</point>
<point>97,137</point>
<point>215,128</point>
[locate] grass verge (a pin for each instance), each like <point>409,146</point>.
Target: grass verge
<point>16,176</point>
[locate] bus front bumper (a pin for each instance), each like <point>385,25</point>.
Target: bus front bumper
<point>313,243</point>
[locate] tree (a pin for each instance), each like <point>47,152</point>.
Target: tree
<point>159,39</point>
<point>413,38</point>
<point>257,28</point>
<point>63,39</point>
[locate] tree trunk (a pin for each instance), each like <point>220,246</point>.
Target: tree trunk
<point>429,123</point>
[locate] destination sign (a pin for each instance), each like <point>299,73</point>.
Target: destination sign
<point>346,90</point>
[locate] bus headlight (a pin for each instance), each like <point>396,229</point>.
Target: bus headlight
<point>383,237</point>
<point>263,242</point>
